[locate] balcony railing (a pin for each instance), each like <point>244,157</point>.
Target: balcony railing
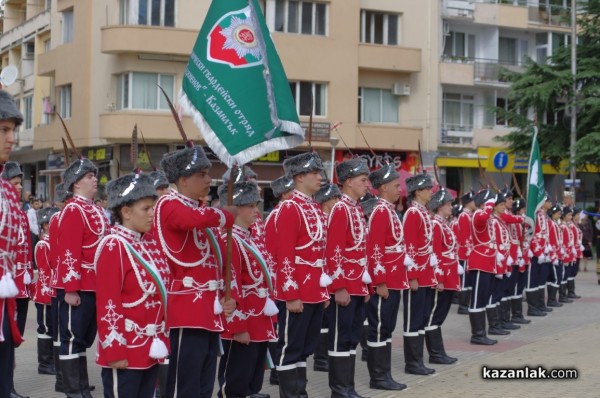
<point>486,70</point>
<point>456,134</point>
<point>459,8</point>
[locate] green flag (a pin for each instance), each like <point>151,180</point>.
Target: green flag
<point>536,194</point>
<point>235,87</point>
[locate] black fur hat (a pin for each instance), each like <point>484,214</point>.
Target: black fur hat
<point>11,170</point>
<point>483,196</point>
<point>282,185</point>
<point>327,191</point>
<point>248,174</point>
<point>159,179</point>
<point>244,193</point>
<point>351,168</point>
<point>419,181</point>
<point>500,198</point>
<point>439,198</point>
<point>507,192</point>
<point>8,108</point>
<point>467,198</point>
<point>518,204</point>
<point>368,204</point>
<point>60,193</point>
<point>129,188</point>
<point>554,209</point>
<point>383,175</point>
<point>77,170</point>
<point>304,163</point>
<point>184,162</point>
<point>44,215</point>
<point>566,210</point>
<point>457,209</point>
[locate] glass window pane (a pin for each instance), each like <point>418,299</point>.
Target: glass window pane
<point>143,12</point>
<point>279,15</point>
<point>143,91</point>
<point>459,44</point>
<point>451,114</point>
<point>293,15</point>
<point>389,107</point>
<point>471,48</point>
<point>321,19</point>
<point>541,39</point>
<point>305,98</point>
<point>368,26</point>
<point>169,12</point>
<point>126,90</point>
<point>120,92</point>
<point>67,28</point>
<point>449,46</point>
<point>320,99</point>
<point>155,12</point>
<point>371,105</point>
<point>468,116</point>
<point>392,30</point>
<point>307,16</point>
<point>378,39</point>
<point>167,82</point>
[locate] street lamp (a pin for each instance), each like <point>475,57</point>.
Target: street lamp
<point>333,141</point>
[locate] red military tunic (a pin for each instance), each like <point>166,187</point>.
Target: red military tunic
<point>418,233</point>
<point>578,235</point>
<point>301,250</point>
<point>81,226</point>
<point>346,250</point>
<point>249,315</point>
<point>444,248</point>
<point>516,233</point>
<point>9,231</point>
<point>270,251</point>
<point>182,227</point>
<point>567,243</point>
<point>43,291</point>
<point>257,234</point>
<point>385,247</point>
<point>23,271</point>
<point>515,247</point>
<point>130,307</point>
<point>483,256</point>
<point>502,239</point>
<point>539,243</point>
<point>53,236</point>
<point>555,238</point>
<point>465,234</point>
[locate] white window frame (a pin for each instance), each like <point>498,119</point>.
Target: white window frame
<point>129,105</point>
<point>296,95</point>
<point>462,101</point>
<point>66,100</point>
<point>270,13</point>
<point>68,22</point>
<point>28,112</point>
<point>363,27</point>
<point>466,39</point>
<point>129,10</point>
<point>361,98</point>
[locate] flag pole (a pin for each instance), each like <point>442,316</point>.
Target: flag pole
<point>228,253</point>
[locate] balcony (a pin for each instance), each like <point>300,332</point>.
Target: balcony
<point>139,39</point>
<point>456,135</point>
<point>157,126</point>
<point>457,70</point>
<point>465,71</point>
<point>390,58</point>
<point>488,71</point>
<point>459,9</point>
<point>389,137</point>
<point>31,27</point>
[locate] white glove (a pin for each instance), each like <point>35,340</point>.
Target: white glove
<point>555,262</point>
<point>508,274</point>
<point>460,269</point>
<point>499,276</point>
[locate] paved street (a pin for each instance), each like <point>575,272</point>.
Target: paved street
<point>567,338</point>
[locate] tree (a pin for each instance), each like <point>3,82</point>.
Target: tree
<point>547,89</point>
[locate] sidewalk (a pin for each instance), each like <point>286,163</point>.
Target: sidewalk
<point>566,338</point>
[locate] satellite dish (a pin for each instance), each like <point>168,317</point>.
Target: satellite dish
<point>8,75</point>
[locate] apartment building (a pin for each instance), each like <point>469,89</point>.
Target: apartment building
<point>397,72</point>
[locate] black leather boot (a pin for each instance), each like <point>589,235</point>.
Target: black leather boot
<point>339,376</point>
<point>478,334</point>
<point>532,309</point>
<point>288,383</point>
<point>58,385</point>
<point>493,315</point>
<point>505,316</point>
<point>435,347</point>
<point>413,356</point>
<point>571,289</point>
<point>563,295</point>
<point>516,305</point>
<point>379,366</point>
<point>71,377</point>
<point>14,394</point>
<point>552,292</point>
<point>45,357</point>
<point>321,357</point>
<point>352,392</point>
<point>302,382</point>
<point>363,343</point>
<point>464,298</point>
<point>84,381</point>
<point>541,299</point>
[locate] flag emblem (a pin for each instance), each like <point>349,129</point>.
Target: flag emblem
<point>232,40</point>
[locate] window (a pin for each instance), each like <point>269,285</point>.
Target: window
<point>377,106</point>
<point>65,101</point>
<point>47,4</point>
<point>28,112</point>
<point>458,111</point>
<point>295,16</point>
<point>459,45</point>
<point>541,47</point>
<point>507,51</point>
<point>67,26</point>
<point>47,44</point>
<point>379,28</point>
<point>147,12</point>
<point>306,92</point>
<point>137,90</point>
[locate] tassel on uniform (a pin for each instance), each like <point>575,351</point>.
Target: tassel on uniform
<point>460,269</point>
<point>530,253</point>
<point>270,308</point>
<point>27,278</point>
<point>519,252</point>
<point>325,280</point>
<point>218,308</point>
<point>8,288</point>
<point>158,349</point>
<point>409,262</point>
<point>366,278</point>
<point>499,257</point>
<point>434,260</point>
<point>510,260</point>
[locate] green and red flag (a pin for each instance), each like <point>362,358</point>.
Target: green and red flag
<point>235,87</point>
<point>536,193</point>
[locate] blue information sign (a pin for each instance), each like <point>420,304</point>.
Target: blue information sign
<point>500,160</point>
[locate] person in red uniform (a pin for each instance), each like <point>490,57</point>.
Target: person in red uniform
<point>131,296</point>
<point>385,256</point>
<point>43,293</point>
<point>185,229</point>
<point>571,273</point>
<point>465,247</point>
<point>81,226</point>
<point>519,232</point>
<point>421,265</point>
<point>249,329</point>
<point>558,253</point>
<point>326,197</point>
<point>444,248</point>
<point>301,281</point>
<point>482,265</point>
<point>346,258</point>
<point>10,336</point>
<point>282,187</point>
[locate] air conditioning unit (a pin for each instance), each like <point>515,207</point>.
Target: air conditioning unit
<point>401,89</point>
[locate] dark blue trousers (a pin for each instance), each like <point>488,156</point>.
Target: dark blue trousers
<point>298,335</point>
<point>77,325</point>
<point>522,282</point>
<point>416,310</point>
<point>192,363</point>
<point>241,369</point>
<point>441,306</point>
<point>44,319</point>
<point>543,274</point>
<point>482,290</point>
<point>345,326</point>
<point>7,357</point>
<point>510,287</point>
<point>22,309</point>
<point>383,316</point>
<point>129,383</point>
<point>556,274</point>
